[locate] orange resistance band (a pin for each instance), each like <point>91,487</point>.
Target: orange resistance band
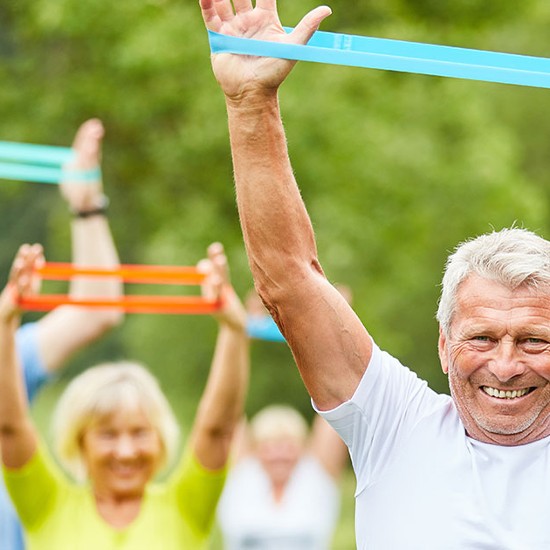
<point>130,304</point>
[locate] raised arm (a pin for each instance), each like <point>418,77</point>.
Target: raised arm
<point>68,329</point>
<point>222,404</point>
<point>329,343</point>
<point>18,438</point>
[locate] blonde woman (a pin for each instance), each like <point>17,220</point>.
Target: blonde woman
<point>45,346</point>
<point>114,432</point>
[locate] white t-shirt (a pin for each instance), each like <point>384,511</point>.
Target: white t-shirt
<point>422,483</point>
<point>304,519</point>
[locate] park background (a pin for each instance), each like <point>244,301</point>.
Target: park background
<point>395,168</point>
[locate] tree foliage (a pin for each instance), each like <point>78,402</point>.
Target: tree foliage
<point>396,169</point>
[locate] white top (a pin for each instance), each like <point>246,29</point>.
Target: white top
<point>304,519</point>
<point>422,483</point>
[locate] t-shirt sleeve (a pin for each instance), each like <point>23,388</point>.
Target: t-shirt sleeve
<point>388,403</point>
<point>34,370</point>
<point>33,488</point>
<point>198,491</point>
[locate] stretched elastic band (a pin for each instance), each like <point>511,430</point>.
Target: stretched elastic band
<point>42,164</point>
<point>397,55</point>
<point>190,305</point>
<point>47,174</point>
<point>263,328</point>
<point>128,273</point>
<point>23,172</point>
<point>37,154</point>
<point>80,175</point>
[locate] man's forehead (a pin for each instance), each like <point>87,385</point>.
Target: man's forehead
<point>478,285</point>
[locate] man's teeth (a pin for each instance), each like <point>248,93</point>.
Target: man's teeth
<point>501,394</point>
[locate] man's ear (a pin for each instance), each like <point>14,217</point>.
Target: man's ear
<point>442,349</point>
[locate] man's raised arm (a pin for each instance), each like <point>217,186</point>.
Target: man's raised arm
<point>329,343</point>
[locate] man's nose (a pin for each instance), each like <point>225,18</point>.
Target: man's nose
<point>507,361</point>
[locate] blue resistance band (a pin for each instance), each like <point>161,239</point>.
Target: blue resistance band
<point>263,328</point>
<point>37,154</point>
<point>41,163</point>
<point>397,55</point>
<point>47,174</point>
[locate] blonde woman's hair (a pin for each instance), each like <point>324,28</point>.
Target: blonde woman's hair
<point>100,391</point>
<point>277,421</point>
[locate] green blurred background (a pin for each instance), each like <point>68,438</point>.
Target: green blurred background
<point>396,169</point>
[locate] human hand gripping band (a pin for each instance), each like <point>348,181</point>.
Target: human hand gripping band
<point>41,163</point>
<point>173,275</point>
<point>397,55</point>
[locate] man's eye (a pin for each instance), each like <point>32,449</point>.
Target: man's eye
<point>535,342</point>
<point>482,342</point>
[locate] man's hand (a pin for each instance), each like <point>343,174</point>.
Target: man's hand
<point>240,75</point>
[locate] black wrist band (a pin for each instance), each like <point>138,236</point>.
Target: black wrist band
<point>99,210</point>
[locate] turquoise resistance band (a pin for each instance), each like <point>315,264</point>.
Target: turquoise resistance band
<point>397,55</point>
<point>41,163</point>
<point>263,327</point>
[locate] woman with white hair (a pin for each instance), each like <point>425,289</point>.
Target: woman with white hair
<point>114,431</point>
<point>283,491</point>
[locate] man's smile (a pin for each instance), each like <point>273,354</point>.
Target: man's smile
<point>506,394</point>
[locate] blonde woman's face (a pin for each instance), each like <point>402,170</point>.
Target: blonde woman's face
<point>122,452</point>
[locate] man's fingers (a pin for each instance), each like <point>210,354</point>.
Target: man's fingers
<point>224,9</point>
<point>209,15</point>
<point>309,24</point>
<point>242,6</point>
<point>270,5</point>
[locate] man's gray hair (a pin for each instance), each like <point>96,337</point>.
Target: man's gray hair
<point>513,257</point>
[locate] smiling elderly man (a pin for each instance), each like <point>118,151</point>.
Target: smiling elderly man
<point>494,315</point>
<point>433,471</point>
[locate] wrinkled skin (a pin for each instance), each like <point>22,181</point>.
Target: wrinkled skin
<point>499,341</point>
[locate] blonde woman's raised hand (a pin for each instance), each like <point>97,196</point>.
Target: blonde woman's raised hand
<point>217,286</point>
<point>23,279</point>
